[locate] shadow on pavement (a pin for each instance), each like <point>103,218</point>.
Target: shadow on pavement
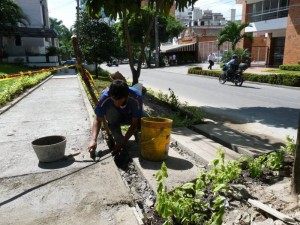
<point>280,117</point>
<point>42,185</point>
<point>171,163</point>
<point>67,161</point>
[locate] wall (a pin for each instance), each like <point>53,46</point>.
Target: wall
<point>292,41</point>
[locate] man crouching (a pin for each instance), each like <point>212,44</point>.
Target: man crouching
<point>118,105</point>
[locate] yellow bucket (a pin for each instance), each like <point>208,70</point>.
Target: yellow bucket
<point>155,138</point>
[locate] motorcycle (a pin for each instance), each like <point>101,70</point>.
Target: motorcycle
<point>236,77</point>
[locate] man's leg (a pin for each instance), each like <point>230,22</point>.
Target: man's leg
<point>114,119</point>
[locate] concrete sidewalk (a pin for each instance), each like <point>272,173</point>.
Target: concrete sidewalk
<point>74,190</point>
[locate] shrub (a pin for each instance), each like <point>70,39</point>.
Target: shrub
<point>280,79</point>
<point>295,67</point>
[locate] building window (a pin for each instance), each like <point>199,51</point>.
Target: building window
<point>266,5</point>
<point>267,10</point>
<point>274,5</point>
<point>18,41</point>
<point>283,3</point>
<point>257,7</point>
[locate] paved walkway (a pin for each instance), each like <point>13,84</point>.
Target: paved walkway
<point>71,191</point>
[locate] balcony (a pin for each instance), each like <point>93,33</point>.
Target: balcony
<point>267,15</point>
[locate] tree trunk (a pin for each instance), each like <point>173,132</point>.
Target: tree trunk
<point>295,182</point>
<point>135,72</point>
<point>96,68</point>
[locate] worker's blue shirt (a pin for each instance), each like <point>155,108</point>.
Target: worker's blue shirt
<point>134,106</point>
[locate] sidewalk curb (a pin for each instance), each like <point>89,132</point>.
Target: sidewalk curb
<point>23,95</point>
<point>86,101</point>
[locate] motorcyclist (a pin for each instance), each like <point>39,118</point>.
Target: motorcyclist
<point>232,66</point>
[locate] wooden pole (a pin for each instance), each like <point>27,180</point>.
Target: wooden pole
<point>82,71</point>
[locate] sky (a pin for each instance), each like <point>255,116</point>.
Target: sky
<point>65,10</point>
<point>221,6</point>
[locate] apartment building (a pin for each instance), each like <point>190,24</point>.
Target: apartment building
<point>29,44</point>
<point>275,24</point>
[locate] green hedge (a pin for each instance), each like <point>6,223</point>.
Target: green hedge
<point>295,67</point>
<point>13,87</point>
<point>280,79</point>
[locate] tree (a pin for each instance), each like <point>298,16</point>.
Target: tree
<point>64,36</point>
<point>167,25</point>
<point>124,9</point>
<point>232,33</point>
<point>97,39</point>
<point>10,15</point>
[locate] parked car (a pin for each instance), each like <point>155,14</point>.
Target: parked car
<point>113,62</point>
<point>69,62</point>
<point>124,61</point>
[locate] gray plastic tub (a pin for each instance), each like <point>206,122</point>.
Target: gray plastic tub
<point>50,148</point>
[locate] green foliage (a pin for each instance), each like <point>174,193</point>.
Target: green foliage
<point>116,8</point>
<point>64,36</point>
<point>13,87</point>
<point>10,15</point>
<point>232,32</point>
<point>184,115</point>
<point>295,67</point>
<point>243,54</point>
<point>280,79</point>
<point>290,146</point>
<point>189,204</point>
<point>6,68</point>
<point>97,39</point>
<point>19,61</point>
<point>52,50</point>
<point>256,166</point>
<point>124,10</point>
<point>272,161</point>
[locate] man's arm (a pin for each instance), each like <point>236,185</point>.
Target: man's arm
<point>95,132</point>
<point>133,127</point>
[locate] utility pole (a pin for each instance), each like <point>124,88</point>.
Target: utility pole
<point>156,39</point>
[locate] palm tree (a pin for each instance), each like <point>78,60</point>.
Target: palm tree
<point>232,33</point>
<point>10,16</point>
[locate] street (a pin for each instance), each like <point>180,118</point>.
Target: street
<point>263,109</point>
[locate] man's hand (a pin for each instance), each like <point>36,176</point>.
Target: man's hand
<point>92,148</point>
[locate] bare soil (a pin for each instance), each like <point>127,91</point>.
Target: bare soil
<point>272,190</point>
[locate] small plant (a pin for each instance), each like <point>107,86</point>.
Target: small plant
<point>173,99</point>
<point>290,146</point>
<point>190,204</point>
<point>255,166</point>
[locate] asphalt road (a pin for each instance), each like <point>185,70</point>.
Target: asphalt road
<point>263,108</point>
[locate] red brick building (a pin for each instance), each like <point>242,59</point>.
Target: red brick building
<point>275,24</point>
